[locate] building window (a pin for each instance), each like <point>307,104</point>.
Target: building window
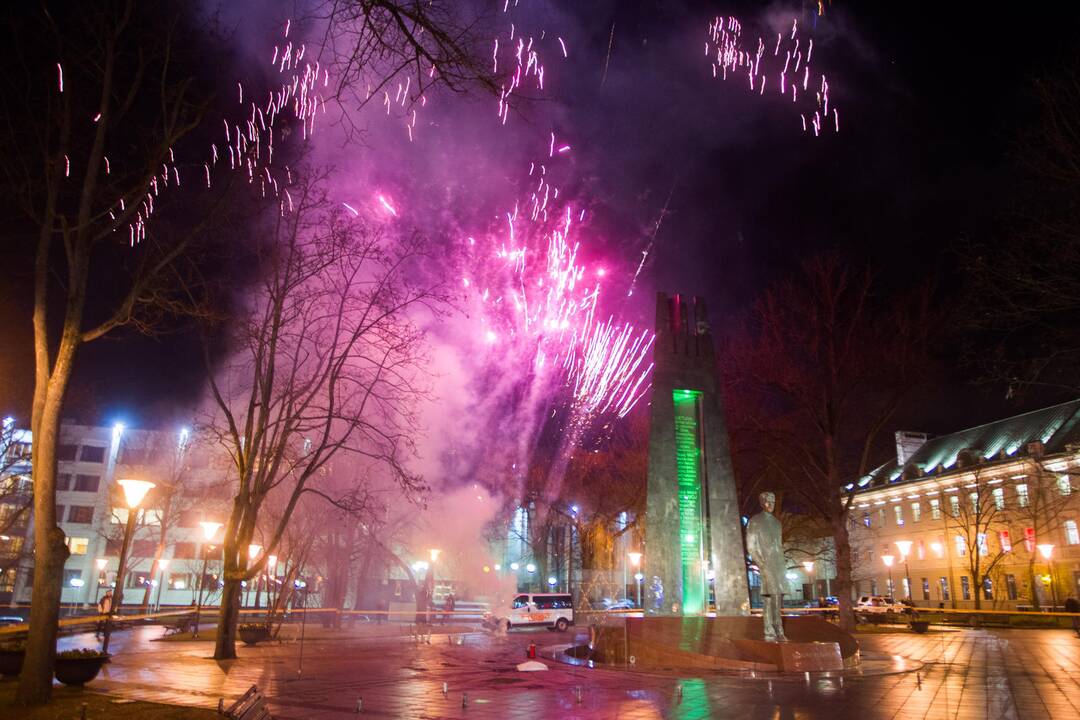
<point>86,483</point>
<point>943,585</point>
<point>954,506</point>
<point>1072,535</point>
<point>1010,586</point>
<point>70,575</point>
<point>988,589</point>
<point>143,548</point>
<point>92,454</point>
<point>1022,495</point>
<point>984,549</point>
<point>81,514</point>
<point>1029,539</point>
<point>965,587</point>
<point>881,517</point>
<point>1006,543</point>
<point>961,547</point>
<point>926,588</point>
<point>916,512</point>
<point>935,509</point>
<point>920,550</point>
<point>938,547</point>
<point>999,498</point>
<point>1064,485</point>
<point>870,558</point>
<point>63,481</point>
<point>899,512</point>
<point>77,545</point>
<point>184,551</point>
<point>974,497</point>
<point>179,581</point>
<point>66,452</point>
<point>189,519</point>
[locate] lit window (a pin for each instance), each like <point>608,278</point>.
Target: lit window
<point>974,497</point>
<point>1029,539</point>
<point>961,548</point>
<point>988,589</point>
<point>916,512</point>
<point>1064,485</point>
<point>944,585</point>
<point>965,587</point>
<point>954,506</point>
<point>1072,535</point>
<point>881,517</point>
<point>1022,495</point>
<point>920,550</point>
<point>899,511</point>
<point>1006,543</point>
<point>866,519</point>
<point>935,509</point>
<point>999,498</point>
<point>77,545</point>
<point>984,549</point>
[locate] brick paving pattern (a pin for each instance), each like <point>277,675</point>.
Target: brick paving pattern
<point>985,674</point>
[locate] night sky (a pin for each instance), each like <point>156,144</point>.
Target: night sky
<point>932,99</point>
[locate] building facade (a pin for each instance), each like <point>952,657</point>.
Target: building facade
<point>168,550</point>
<point>983,518</point>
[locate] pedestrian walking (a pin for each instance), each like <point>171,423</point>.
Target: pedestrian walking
<point>104,607</point>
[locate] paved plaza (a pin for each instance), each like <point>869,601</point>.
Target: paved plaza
<point>966,674</point>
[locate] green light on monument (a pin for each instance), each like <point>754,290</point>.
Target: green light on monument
<point>688,467</point>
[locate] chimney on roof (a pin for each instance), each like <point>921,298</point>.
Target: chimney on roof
<point>907,444</point>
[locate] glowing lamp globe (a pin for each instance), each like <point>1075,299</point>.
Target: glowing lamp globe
<point>135,491</point>
<point>888,560</point>
<point>209,528</point>
<point>635,558</point>
<point>904,546</point>
<point>808,566</point>
<point>254,550</point>
<point>1045,549</point>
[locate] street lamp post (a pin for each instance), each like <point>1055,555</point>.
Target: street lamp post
<point>209,529</point>
<point>635,560</point>
<point>888,560</point>
<point>101,563</point>
<point>253,552</point>
<point>904,546</point>
<point>808,566</point>
<point>163,563</point>
<point>134,492</point>
<point>1047,551</point>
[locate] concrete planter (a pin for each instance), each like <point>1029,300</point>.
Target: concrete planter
<point>252,634</point>
<point>79,671</point>
<point>920,626</point>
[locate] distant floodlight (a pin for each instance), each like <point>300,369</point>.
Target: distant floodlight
<point>75,582</point>
<point>531,568</point>
<point>515,566</point>
<point>210,528</point>
<point>552,581</point>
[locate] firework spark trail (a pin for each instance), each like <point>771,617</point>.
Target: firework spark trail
<point>728,54</point>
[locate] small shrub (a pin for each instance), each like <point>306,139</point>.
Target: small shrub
<point>80,654</point>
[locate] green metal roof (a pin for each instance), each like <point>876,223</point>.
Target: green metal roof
<point>1055,427</point>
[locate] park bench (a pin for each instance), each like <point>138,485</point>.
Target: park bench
<point>179,625</point>
<point>250,706</point>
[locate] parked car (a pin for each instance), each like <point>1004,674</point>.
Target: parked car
<point>552,610</point>
<point>621,604</point>
<point>880,604</point>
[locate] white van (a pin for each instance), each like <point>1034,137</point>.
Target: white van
<point>553,610</point>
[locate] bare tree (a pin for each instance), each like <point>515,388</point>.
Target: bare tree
<point>95,98</point>
<point>813,383</point>
<point>326,362</point>
<point>1041,507</point>
<point>975,514</point>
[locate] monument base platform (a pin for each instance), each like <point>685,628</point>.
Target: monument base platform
<point>723,643</point>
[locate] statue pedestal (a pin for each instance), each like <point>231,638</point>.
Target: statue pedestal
<point>794,656</point>
<point>724,643</point>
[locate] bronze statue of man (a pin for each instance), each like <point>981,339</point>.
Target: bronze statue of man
<point>764,540</point>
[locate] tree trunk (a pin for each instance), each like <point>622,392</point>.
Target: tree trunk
<point>228,615</point>
<point>843,572</point>
<point>50,550</point>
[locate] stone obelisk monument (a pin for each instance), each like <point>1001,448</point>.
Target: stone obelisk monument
<point>692,517</point>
